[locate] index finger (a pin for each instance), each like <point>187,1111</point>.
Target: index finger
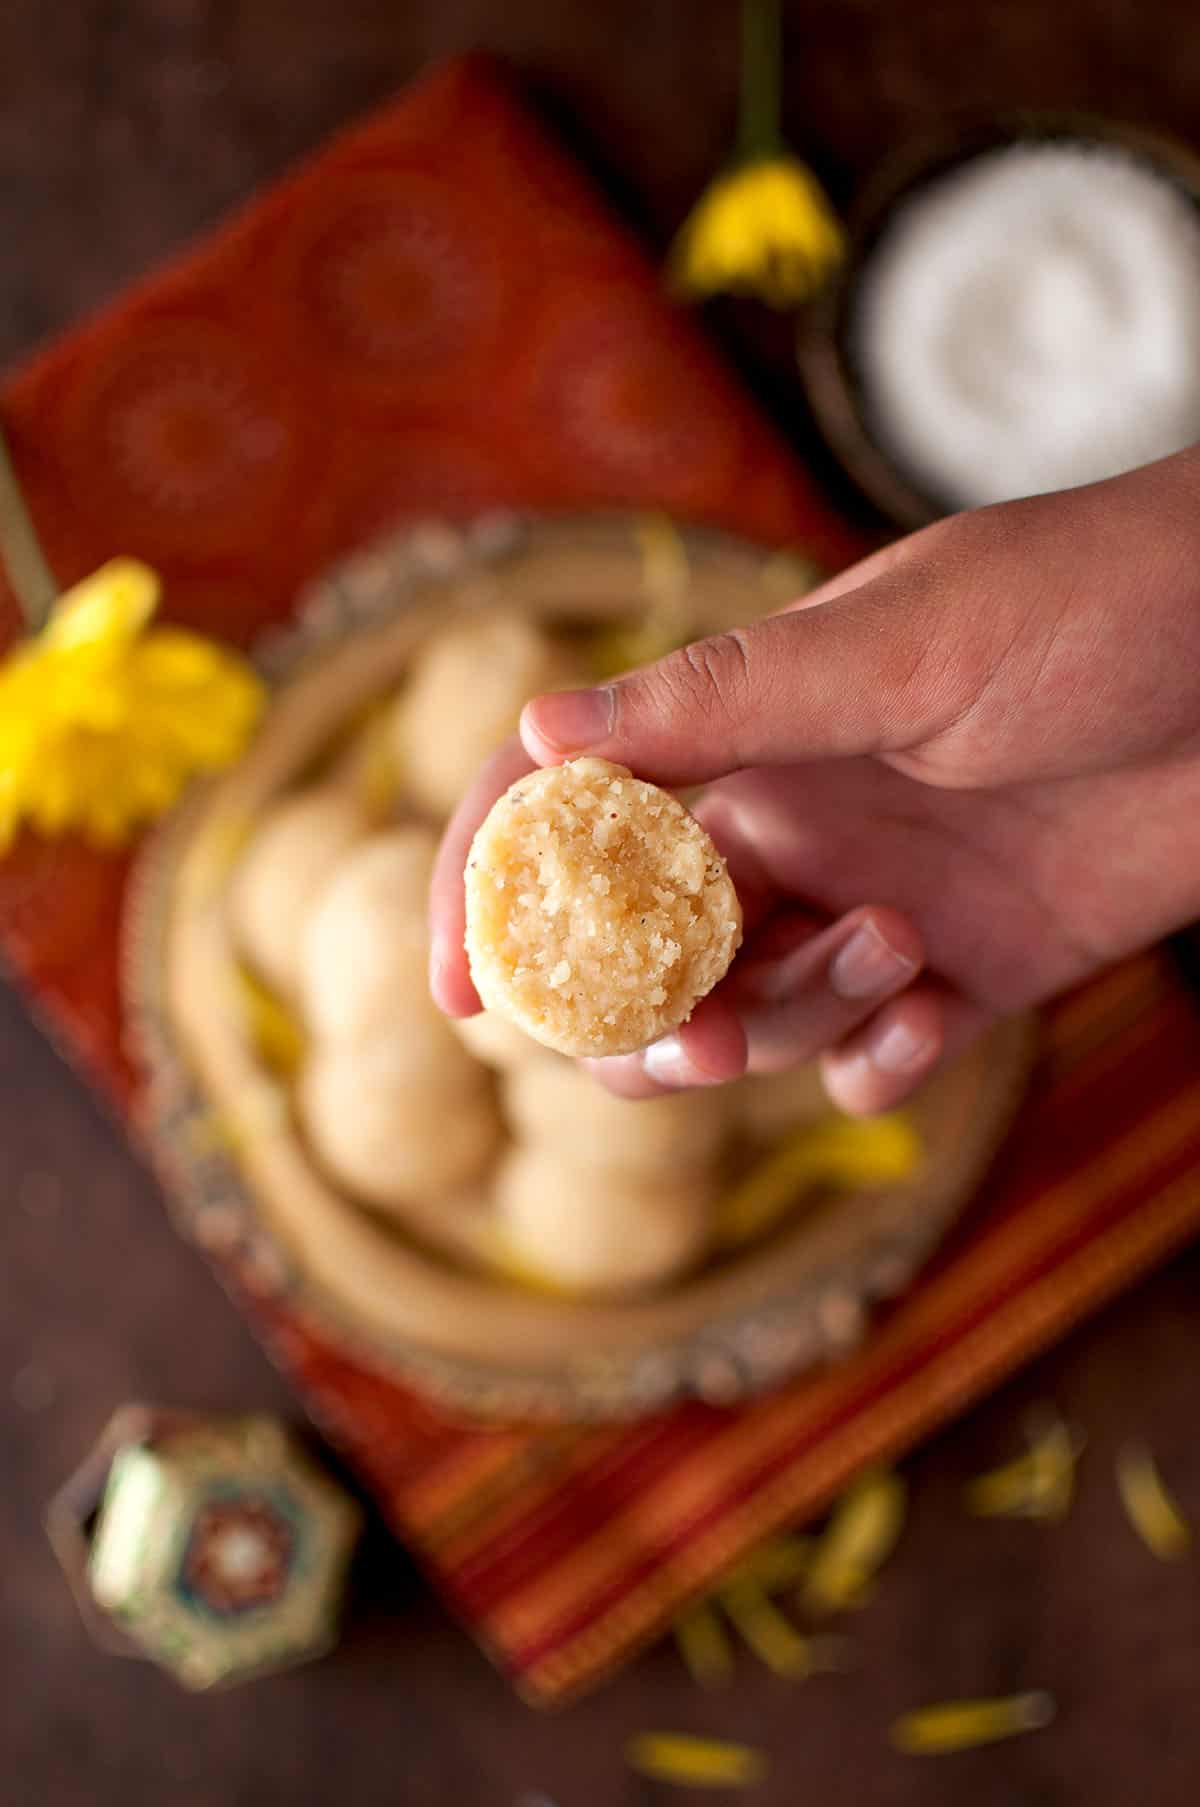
<point>449,974</point>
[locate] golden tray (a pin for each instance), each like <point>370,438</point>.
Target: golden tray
<point>251,1195</point>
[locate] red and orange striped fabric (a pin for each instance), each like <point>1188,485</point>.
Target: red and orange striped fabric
<point>435,316</point>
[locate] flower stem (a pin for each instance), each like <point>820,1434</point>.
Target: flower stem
<point>24,562</point>
<point>761,80</point>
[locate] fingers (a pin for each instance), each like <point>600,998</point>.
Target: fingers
<point>799,993</point>
<point>860,671</point>
<point>794,1007</point>
<point>709,1049</point>
<point>449,974</point>
<point>883,1063</point>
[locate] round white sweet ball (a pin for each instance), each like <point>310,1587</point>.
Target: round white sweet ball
<point>599,912</point>
<point>291,853</point>
<point>560,1107</point>
<point>594,1231</point>
<point>363,953</point>
<point>399,1117</point>
<point>465,693</point>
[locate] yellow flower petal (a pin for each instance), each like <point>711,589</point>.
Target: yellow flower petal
<point>1039,1484</point>
<point>788,574</point>
<point>695,1762</point>
<point>376,773</point>
<point>839,1152</point>
<point>103,722</point>
<point>958,1725</point>
<point>773,1639</point>
<point>764,229</point>
<point>1152,1512</point>
<point>114,603</point>
<point>860,1536</point>
<point>515,1266</point>
<point>777,1564</point>
<point>664,560</point>
<point>214,853</point>
<point>666,622</point>
<point>274,1030</point>
<point>704,1646</point>
<point>262,1111</point>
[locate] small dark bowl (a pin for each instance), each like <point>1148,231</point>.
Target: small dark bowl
<point>826,350</point>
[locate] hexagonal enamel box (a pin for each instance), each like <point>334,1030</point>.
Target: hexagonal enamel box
<point>220,1550</point>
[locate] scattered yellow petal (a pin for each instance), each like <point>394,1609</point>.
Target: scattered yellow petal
<point>615,650</point>
<point>764,228</point>
<point>517,1268</point>
<point>1152,1512</point>
<point>1054,1452</point>
<point>695,1762</point>
<point>113,604</point>
<point>211,858</point>
<point>704,1646</point>
<point>208,1133</point>
<point>860,1536</point>
<point>777,1564</point>
<point>664,560</point>
<point>829,1153</point>
<point>787,575</point>
<point>666,622</point>
<point>367,763</point>
<point>102,722</point>
<point>262,1111</point>
<point>1039,1484</point>
<point>774,1640</point>
<point>839,1152</point>
<point>274,1030</point>
<point>959,1725</point>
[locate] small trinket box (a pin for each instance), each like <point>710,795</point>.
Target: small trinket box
<point>216,1548</point>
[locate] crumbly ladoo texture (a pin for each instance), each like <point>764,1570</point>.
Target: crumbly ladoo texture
<point>464,695</point>
<point>289,858</point>
<point>595,1232</point>
<point>363,950</point>
<point>599,912</point>
<point>558,1106</point>
<point>405,1116</point>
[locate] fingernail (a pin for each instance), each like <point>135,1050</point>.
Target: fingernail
<point>666,1062</point>
<point>868,966</point>
<point>899,1049</point>
<point>569,720</point>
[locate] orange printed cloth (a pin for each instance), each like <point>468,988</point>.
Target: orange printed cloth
<point>433,317</point>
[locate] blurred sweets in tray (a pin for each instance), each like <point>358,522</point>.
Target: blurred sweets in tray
<point>456,1185</point>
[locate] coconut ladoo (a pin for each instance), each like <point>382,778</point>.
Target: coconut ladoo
<point>599,912</point>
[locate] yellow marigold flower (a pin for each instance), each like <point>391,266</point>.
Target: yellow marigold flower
<point>103,722</point>
<point>764,229</point>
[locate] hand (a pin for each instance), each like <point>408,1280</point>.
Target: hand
<point>956,780</point>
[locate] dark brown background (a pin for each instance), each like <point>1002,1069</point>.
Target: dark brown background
<point>126,126</point>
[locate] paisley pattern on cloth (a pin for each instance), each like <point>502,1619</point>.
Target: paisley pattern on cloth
<point>434,316</point>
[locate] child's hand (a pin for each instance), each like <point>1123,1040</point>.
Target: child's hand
<point>956,780</point>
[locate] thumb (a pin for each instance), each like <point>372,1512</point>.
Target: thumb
<point>865,671</point>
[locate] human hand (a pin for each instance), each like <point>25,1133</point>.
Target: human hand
<point>952,782</point>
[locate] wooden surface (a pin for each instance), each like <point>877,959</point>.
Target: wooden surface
<point>127,126</point>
